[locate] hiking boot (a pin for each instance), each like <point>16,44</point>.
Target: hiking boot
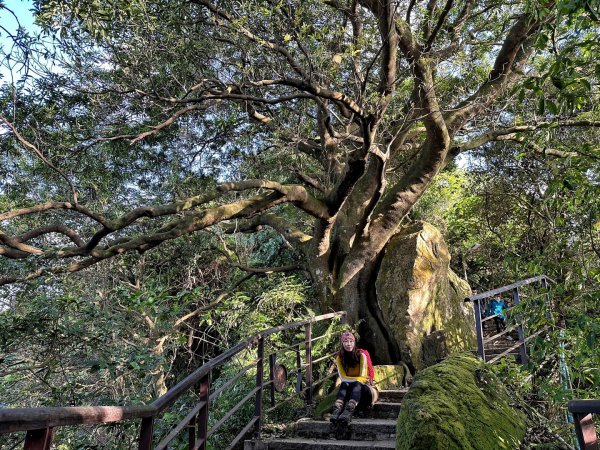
<point>346,416</point>
<point>338,407</point>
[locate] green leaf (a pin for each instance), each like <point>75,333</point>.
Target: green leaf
<point>541,105</point>
<point>591,340</point>
<point>586,84</point>
<point>552,108</point>
<point>557,82</point>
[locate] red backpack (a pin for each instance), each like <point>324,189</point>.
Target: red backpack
<point>369,365</point>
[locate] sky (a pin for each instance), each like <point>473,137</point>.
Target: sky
<point>22,9</point>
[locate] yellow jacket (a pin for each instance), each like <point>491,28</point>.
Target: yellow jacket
<point>360,372</point>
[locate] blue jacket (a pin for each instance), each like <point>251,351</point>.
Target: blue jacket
<point>496,306</point>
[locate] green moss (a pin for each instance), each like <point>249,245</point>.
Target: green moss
<point>458,404</point>
<point>388,376</point>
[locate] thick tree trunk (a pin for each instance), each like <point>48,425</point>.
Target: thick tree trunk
<point>403,295</point>
<point>358,297</point>
<point>371,323</point>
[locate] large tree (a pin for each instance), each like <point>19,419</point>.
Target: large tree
<point>324,120</point>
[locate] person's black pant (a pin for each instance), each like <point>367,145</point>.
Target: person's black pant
<point>355,390</point>
<point>500,324</point>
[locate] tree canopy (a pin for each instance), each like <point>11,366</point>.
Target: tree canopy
<point>324,120</point>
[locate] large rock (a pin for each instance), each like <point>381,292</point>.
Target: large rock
<point>422,299</point>
<point>458,404</point>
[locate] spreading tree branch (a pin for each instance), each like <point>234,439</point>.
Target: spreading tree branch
<point>515,51</point>
<point>56,228</point>
<point>189,223</point>
<point>513,134</point>
<point>28,145</point>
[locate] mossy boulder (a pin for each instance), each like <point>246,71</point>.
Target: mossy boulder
<point>458,404</point>
<point>419,295</point>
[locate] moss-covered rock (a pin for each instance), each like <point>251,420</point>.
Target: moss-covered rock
<point>458,404</point>
<point>419,294</point>
<point>389,376</point>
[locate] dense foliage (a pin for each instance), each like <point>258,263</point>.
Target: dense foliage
<point>175,176</point>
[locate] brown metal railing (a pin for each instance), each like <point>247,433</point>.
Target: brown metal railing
<point>479,302</point>
<point>583,411</point>
<point>40,422</point>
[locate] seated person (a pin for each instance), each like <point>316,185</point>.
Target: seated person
<point>356,389</point>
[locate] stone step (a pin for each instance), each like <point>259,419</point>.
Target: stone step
<point>317,444</point>
<point>392,395</point>
<point>358,429</point>
<point>381,410</point>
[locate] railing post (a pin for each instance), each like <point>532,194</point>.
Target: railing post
<point>298,370</point>
<point>259,386</point>
<point>585,431</point>
<point>38,439</point>
<point>522,348</point>
<point>308,339</point>
<point>192,432</point>
<point>203,396</point>
<point>146,432</point>
<point>479,329</point>
<point>272,362</point>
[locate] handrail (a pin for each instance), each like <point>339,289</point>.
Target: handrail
<point>507,288</point>
<point>38,422</point>
<point>585,429</point>
<point>584,406</point>
<point>25,419</point>
<point>478,303</point>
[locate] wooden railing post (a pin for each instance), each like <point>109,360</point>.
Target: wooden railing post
<point>583,415</point>
<point>298,370</point>
<point>146,432</point>
<point>308,339</point>
<point>522,348</point>
<point>479,329</point>
<point>272,362</point>
<point>259,386</point>
<point>203,396</point>
<point>38,439</point>
<point>192,432</point>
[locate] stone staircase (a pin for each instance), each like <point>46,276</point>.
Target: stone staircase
<point>374,429</point>
<point>501,344</point>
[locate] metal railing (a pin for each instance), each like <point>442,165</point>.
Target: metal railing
<point>40,422</point>
<point>479,301</point>
<point>583,411</point>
